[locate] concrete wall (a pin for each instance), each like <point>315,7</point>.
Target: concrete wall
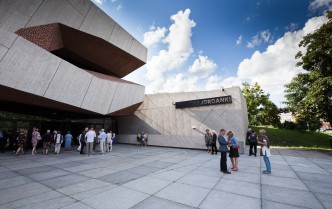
<point>31,69</point>
<point>186,127</point>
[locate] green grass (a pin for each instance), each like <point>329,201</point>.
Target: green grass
<point>284,138</point>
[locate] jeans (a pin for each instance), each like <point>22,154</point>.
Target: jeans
<point>267,162</point>
<point>83,143</point>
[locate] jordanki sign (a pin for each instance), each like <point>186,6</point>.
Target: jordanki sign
<point>204,102</point>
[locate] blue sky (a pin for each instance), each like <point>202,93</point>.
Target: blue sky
<point>203,45</point>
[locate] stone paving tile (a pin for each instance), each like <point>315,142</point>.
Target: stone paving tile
<point>283,173</point>
<point>3,169</point>
<point>214,172</point>
<point>116,198</point>
<point>142,170</point>
<point>33,199</point>
<point>23,191</point>
<point>159,164</point>
<point>290,196</point>
<point>48,174</point>
<point>51,204</point>
<point>98,172</point>
<point>8,174</point>
<point>92,192</point>
<point>83,186</point>
<point>183,193</point>
<point>120,177</point>
<point>68,164</point>
<point>309,169</point>
<point>170,175</point>
<point>325,199</point>
<point>321,187</point>
<point>315,177</point>
<point>13,182</point>
<point>275,205</point>
<point>247,177</point>
<point>77,205</point>
<point>238,187</point>
<point>283,182</point>
<point>199,180</point>
<point>160,203</point>
<point>38,169</point>
<point>147,185</point>
<point>63,181</point>
<point>218,199</point>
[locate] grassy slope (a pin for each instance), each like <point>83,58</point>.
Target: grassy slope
<point>293,138</point>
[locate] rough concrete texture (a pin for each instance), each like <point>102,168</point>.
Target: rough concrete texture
<point>171,127</point>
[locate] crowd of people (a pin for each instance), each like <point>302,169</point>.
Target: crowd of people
<point>229,144</point>
<point>51,142</point>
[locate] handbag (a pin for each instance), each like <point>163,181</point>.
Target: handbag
<point>39,137</point>
<point>237,147</point>
<point>261,152</point>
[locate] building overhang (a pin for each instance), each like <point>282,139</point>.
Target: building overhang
<point>82,49</point>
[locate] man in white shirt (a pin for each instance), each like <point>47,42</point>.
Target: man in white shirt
<point>90,136</point>
<point>102,138</point>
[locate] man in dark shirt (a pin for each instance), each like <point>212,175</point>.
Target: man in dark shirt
<point>82,140</point>
<point>47,137</point>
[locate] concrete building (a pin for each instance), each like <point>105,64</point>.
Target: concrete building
<point>64,60</point>
<point>185,127</point>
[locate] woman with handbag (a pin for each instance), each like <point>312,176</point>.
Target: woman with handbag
<point>233,150</point>
<point>265,150</point>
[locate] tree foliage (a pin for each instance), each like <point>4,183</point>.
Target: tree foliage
<point>261,110</point>
<point>310,94</point>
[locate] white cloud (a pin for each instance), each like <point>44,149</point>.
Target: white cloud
<point>259,38</point>
<point>326,4</point>
<point>119,7</point>
<point>276,66</point>
<point>179,47</point>
<point>100,2</point>
<point>239,40</point>
<point>154,36</point>
<point>202,67</point>
<point>292,26</point>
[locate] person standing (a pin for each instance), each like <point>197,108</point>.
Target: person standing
<point>214,143</point>
<point>223,152</point>
<point>233,150</point>
<point>90,136</point>
<point>109,141</point>
<point>22,137</point>
<point>253,143</point>
<point>265,143</point>
<point>208,139</point>
<point>58,142</point>
<point>2,140</point>
<point>82,140</point>
<point>47,137</point>
<point>68,139</point>
<point>102,140</point>
<point>34,140</point>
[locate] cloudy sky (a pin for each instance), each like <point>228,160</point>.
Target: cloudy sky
<point>204,45</point>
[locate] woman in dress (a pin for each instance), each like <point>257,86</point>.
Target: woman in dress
<point>34,140</point>
<point>21,139</point>
<point>68,139</point>
<point>233,150</point>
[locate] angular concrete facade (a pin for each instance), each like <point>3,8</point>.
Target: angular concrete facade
<point>82,76</point>
<point>171,127</point>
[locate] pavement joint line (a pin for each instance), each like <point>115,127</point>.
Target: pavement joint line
<point>305,184</point>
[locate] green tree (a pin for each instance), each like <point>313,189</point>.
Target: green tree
<point>310,94</point>
<point>261,110</point>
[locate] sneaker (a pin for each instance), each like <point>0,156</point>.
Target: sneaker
<point>266,172</point>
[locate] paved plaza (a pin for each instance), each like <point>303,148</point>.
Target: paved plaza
<point>155,177</point>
